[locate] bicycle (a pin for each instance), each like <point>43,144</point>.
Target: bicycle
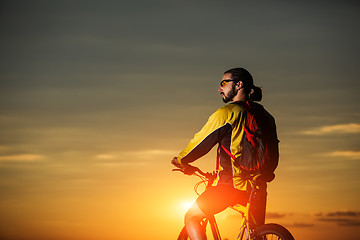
<point>248,230</point>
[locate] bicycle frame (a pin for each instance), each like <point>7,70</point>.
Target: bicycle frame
<point>245,228</point>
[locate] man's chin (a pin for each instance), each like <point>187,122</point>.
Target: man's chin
<point>226,100</point>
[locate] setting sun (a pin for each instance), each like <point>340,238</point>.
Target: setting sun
<point>185,205</point>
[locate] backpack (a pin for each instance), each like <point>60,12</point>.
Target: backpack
<point>260,145</point>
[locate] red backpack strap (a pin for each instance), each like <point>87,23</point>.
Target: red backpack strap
<point>249,120</point>
<point>246,106</point>
<point>249,136</point>
<point>228,152</point>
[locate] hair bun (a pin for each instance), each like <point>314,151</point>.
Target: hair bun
<point>256,94</point>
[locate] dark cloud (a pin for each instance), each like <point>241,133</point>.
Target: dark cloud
<point>275,215</point>
<point>343,214</point>
<point>342,218</point>
<point>339,214</point>
<point>350,223</point>
<point>301,225</point>
<point>341,221</point>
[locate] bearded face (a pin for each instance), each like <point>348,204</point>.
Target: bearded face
<point>229,94</point>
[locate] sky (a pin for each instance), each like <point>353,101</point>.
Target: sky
<point>96,98</point>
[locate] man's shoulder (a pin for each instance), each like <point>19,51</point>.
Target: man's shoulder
<point>233,107</point>
<point>229,109</point>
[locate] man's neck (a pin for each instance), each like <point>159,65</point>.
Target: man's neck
<point>240,97</point>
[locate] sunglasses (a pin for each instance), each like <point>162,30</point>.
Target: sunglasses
<point>225,82</point>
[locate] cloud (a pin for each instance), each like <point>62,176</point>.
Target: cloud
<point>152,152</point>
<point>274,215</point>
<point>346,213</point>
<point>141,154</point>
<point>342,218</point>
<point>339,214</point>
<point>115,160</point>
<point>137,154</point>
<point>122,164</point>
<point>349,128</point>
<point>105,156</point>
<point>301,225</point>
<point>131,158</point>
<point>21,158</point>
<point>341,221</point>
<point>347,154</point>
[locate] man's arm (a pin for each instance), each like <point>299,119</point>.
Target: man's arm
<point>206,138</point>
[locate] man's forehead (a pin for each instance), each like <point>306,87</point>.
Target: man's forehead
<point>227,76</point>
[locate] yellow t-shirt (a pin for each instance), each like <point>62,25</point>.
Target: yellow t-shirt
<point>225,127</point>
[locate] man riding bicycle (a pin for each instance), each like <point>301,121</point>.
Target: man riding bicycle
<point>227,129</point>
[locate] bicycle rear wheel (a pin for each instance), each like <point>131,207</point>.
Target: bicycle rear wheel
<point>272,231</point>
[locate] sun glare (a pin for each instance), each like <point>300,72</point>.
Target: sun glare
<point>185,205</point>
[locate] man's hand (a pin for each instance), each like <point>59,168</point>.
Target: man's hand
<point>185,168</point>
<point>176,163</point>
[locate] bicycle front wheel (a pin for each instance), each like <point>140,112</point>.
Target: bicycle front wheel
<point>272,231</point>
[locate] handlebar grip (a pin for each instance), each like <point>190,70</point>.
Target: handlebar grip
<point>188,169</point>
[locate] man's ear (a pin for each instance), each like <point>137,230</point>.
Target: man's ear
<point>240,85</point>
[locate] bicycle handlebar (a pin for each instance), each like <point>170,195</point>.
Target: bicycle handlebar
<point>189,169</point>
<point>192,170</point>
